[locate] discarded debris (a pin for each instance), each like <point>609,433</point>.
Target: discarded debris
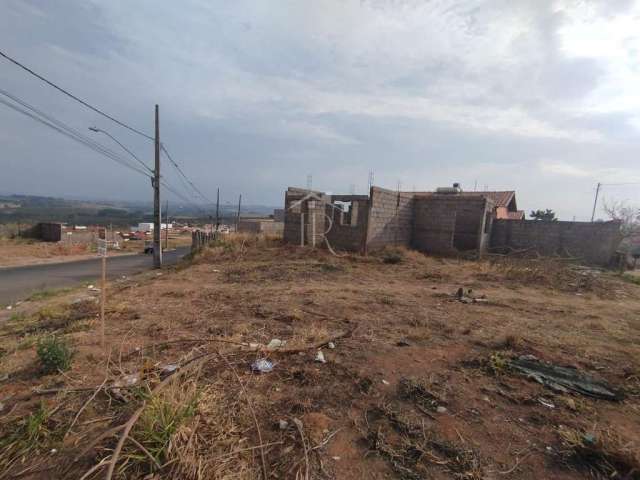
<point>320,357</point>
<point>168,369</point>
<point>441,409</point>
<point>468,296</point>
<point>331,345</point>
<point>125,382</point>
<point>276,343</point>
<point>563,379</point>
<point>262,365</point>
<point>283,424</point>
<point>546,403</point>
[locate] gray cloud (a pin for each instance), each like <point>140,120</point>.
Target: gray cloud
<point>256,95</point>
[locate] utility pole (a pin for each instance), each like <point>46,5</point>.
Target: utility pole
<point>166,225</point>
<point>595,202</point>
<point>218,210</point>
<point>238,217</point>
<point>157,219</point>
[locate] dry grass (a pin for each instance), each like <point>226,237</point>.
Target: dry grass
<point>603,452</point>
<point>24,251</point>
<point>372,410</point>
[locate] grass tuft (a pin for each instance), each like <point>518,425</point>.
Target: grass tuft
<point>54,354</point>
<point>29,434</point>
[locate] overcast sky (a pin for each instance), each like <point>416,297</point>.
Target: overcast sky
<point>538,96</point>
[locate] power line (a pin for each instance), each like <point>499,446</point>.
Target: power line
<point>71,95</point>
<point>182,197</point>
<point>69,132</point>
<point>177,167</point>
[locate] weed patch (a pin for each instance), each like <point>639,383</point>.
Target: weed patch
<point>54,354</point>
<point>31,434</point>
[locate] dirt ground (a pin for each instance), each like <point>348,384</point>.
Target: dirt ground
<point>417,382</point>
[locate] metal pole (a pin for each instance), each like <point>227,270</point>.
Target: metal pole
<point>218,210</point>
<point>595,202</point>
<point>157,219</point>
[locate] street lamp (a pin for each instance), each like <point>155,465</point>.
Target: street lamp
<point>98,130</point>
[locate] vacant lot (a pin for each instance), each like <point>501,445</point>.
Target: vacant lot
<point>417,382</point>
<point>14,252</point>
<point>21,251</point>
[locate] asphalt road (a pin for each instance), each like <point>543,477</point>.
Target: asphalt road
<point>17,283</point>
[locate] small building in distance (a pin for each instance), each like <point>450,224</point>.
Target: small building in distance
<point>260,225</point>
<point>278,214</point>
<point>45,231</point>
<point>149,226</point>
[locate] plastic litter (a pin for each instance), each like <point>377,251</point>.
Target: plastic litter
<point>283,424</point>
<point>441,409</point>
<point>320,357</point>
<point>262,365</point>
<point>563,379</point>
<point>331,345</point>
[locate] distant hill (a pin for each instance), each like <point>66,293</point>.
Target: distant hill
<point>15,208</point>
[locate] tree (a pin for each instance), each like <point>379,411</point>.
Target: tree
<point>547,215</point>
<point>627,215</point>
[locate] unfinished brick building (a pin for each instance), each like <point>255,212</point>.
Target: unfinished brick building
<point>441,222</point>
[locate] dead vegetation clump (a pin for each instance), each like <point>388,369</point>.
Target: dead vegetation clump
<point>422,393</point>
<point>413,451</point>
<point>558,273</point>
<point>603,452</point>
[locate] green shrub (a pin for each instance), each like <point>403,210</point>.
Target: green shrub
<point>54,354</point>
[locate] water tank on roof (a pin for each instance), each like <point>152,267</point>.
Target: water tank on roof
<point>453,189</point>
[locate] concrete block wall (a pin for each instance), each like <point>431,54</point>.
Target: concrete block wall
<point>390,218</point>
<point>435,222</point>
<point>446,223</point>
<point>351,232</point>
<point>292,218</point>
<point>594,243</point>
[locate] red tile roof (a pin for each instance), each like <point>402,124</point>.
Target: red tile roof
<point>501,199</point>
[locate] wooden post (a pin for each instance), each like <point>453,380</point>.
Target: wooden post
<point>166,225</point>
<point>103,291</point>
<point>218,210</point>
<point>238,217</point>
<point>102,252</point>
